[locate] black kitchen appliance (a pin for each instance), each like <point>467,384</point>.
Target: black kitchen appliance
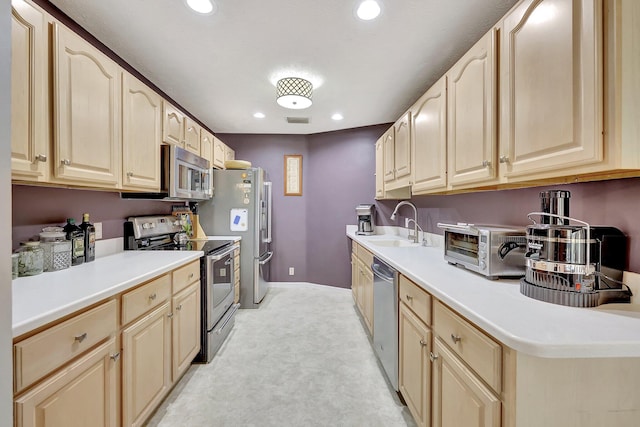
<point>570,262</point>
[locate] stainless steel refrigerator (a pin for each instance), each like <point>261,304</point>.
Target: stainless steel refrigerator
<point>241,206</point>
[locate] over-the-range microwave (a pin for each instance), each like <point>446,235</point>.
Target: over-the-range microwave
<point>184,176</point>
<point>493,251</point>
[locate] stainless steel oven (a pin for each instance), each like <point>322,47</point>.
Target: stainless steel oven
<point>218,309</point>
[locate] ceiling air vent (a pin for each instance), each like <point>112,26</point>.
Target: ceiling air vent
<point>298,120</point>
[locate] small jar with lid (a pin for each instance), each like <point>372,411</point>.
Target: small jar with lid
<point>57,250</point>
<point>31,259</point>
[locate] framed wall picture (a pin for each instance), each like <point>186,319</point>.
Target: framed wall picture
<point>293,175</point>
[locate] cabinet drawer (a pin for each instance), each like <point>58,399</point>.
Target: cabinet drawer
<point>184,276</point>
<point>145,298</point>
<point>40,354</point>
<point>475,348</point>
<point>416,298</point>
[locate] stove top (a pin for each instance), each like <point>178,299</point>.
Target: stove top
<point>206,246</point>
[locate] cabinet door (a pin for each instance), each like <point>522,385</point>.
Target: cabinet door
<point>367,296</point>
<point>141,134</point>
<point>29,100</point>
<point>172,125</point>
<point>380,169</point>
<point>389,155</point>
<point>82,394</point>
<point>551,87</point>
<point>429,128</point>
<point>146,365</point>
<point>229,153</point>
<point>459,397</point>
<point>218,153</point>
<point>206,145</point>
<point>185,329</point>
<point>192,136</point>
<point>87,101</point>
<point>355,274</point>
<point>472,113</point>
<point>414,367</point>
<point>402,136</point>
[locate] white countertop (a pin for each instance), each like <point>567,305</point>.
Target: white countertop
<point>38,300</point>
<point>529,326</point>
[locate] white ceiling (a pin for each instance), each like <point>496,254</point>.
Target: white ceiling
<point>222,67</point>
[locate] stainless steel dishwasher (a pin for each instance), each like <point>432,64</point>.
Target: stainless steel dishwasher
<point>385,318</point>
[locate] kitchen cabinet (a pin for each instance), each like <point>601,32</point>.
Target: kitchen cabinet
<point>472,103</point>
<point>86,112</point>
<point>218,153</point>
<point>172,125</point>
<point>83,393</point>
<point>429,140</point>
<point>362,284</point>
<point>185,322</point>
<point>229,153</point>
<point>379,169</point>
<point>551,88</point>
<point>206,145</point>
<point>30,158</point>
<point>397,154</point>
<point>141,135</point>
<point>191,135</point>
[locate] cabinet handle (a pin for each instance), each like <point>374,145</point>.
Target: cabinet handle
<point>129,174</point>
<point>455,338</point>
<point>504,159</point>
<point>486,164</point>
<point>152,296</point>
<point>422,343</point>
<point>409,297</point>
<point>80,337</point>
<point>190,275</point>
<point>66,162</point>
<point>41,158</point>
<point>433,357</point>
<point>179,307</point>
<point>170,315</point>
<point>115,357</point>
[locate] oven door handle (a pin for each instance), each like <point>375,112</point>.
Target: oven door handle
<point>228,317</point>
<point>219,256</point>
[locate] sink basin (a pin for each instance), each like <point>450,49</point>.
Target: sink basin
<point>393,243</point>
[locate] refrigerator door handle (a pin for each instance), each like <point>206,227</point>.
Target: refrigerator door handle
<point>268,197</point>
<point>267,259</point>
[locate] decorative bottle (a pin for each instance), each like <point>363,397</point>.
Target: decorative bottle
<point>75,234</point>
<point>89,238</point>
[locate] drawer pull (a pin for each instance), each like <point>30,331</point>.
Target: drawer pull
<point>153,296</point>
<point>455,338</point>
<point>433,357</point>
<point>115,357</point>
<point>423,343</point>
<point>170,315</point>
<point>190,275</point>
<point>179,307</point>
<point>80,337</point>
<point>409,297</point>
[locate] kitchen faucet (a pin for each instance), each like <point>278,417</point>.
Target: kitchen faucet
<point>414,219</point>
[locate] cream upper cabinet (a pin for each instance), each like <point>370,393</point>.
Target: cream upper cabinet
<point>402,136</point>
<point>141,135</point>
<point>389,149</point>
<point>172,125</point>
<point>459,397</point>
<point>229,153</point>
<point>551,88</point>
<point>30,157</point>
<point>192,135</point>
<point>87,101</point>
<point>206,145</point>
<point>379,169</point>
<point>185,329</point>
<point>218,153</point>
<point>472,115</point>
<point>429,140</point>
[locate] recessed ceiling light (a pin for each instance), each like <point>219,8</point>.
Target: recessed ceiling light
<point>205,7</point>
<point>337,116</point>
<point>368,10</point>
<point>259,115</point>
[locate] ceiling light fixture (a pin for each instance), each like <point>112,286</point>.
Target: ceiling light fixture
<point>294,93</point>
<point>259,115</point>
<point>368,10</point>
<point>205,7</point>
<point>337,116</point>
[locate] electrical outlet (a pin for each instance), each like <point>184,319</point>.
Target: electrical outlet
<point>98,226</point>
<point>291,271</point>
<point>406,222</point>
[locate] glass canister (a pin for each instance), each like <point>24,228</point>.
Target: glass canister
<point>57,250</point>
<point>14,265</point>
<point>31,259</point>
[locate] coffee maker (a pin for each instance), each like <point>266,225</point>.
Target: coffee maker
<point>366,217</point>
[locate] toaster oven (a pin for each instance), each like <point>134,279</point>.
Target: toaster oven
<point>493,251</point>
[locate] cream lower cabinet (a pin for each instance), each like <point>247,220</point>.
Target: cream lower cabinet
<point>82,394</point>
<point>146,364</point>
<point>141,135</point>
<point>459,397</point>
<point>185,329</point>
<point>30,158</point>
<point>86,112</point>
<point>362,283</point>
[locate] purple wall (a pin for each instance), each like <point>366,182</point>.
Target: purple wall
<point>37,207</point>
<point>289,212</point>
